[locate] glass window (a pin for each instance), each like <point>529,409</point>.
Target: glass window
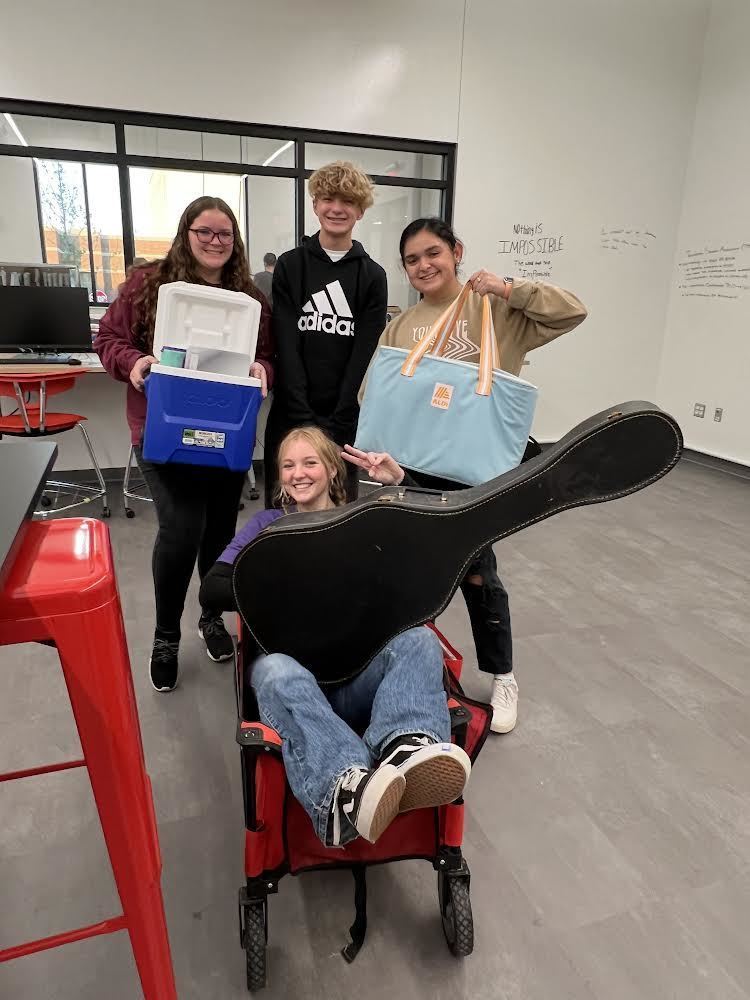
<point>218,146</point>
<point>271,218</point>
<point>60,133</point>
<point>221,147</point>
<point>19,221</point>
<point>105,214</point>
<point>64,216</point>
<point>141,140</point>
<point>386,162</point>
<point>267,152</point>
<point>159,197</point>
<point>46,222</point>
<point>380,230</point>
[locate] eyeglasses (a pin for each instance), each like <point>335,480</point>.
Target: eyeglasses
<point>225,237</point>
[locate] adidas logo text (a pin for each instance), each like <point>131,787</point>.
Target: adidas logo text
<point>328,311</point>
<point>326,324</point>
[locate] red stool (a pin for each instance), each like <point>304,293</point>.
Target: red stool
<point>62,591</point>
<point>34,420</point>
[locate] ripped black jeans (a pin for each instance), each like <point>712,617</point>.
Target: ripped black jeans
<point>489,614</point>
<point>487,603</point>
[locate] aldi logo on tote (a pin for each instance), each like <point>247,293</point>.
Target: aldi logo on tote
<point>442,395</point>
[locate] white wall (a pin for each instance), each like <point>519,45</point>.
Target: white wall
<point>19,223</point>
<point>332,64</point>
<point>707,349</point>
<point>578,116</point>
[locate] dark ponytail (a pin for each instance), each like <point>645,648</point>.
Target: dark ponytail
<point>438,227</point>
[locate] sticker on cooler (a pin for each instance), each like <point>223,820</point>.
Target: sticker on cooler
<point>442,395</point>
<point>206,439</point>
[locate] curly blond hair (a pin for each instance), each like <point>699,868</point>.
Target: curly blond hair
<point>344,179</point>
<point>328,452</point>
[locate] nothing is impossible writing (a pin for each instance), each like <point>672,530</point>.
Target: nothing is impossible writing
<point>531,251</point>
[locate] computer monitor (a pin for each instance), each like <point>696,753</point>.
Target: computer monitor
<point>44,319</point>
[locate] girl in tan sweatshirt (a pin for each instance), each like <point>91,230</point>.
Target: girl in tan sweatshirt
<point>526,315</point>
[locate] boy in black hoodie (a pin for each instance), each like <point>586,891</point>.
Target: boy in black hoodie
<point>329,309</point>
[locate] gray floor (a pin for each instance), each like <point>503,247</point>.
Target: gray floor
<point>609,835</point>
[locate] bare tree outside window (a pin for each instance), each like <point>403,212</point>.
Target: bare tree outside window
<point>63,210</point>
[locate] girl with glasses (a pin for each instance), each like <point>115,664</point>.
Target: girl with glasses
<point>196,506</point>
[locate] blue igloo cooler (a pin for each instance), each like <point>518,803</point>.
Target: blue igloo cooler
<point>200,419</point>
<point>205,413</point>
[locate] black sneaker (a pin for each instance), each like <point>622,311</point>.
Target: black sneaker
<point>366,801</point>
<point>435,773</point>
<point>219,645</point>
<point>163,665</point>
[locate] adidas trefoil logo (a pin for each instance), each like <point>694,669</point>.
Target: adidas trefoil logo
<point>327,311</point>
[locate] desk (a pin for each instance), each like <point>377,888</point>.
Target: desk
<point>26,466</point>
<point>32,369</point>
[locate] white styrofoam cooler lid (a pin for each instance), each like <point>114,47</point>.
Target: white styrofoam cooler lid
<point>199,316</point>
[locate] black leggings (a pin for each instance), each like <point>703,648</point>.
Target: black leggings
<point>196,507</point>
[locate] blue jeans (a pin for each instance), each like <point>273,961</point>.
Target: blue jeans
<point>400,692</point>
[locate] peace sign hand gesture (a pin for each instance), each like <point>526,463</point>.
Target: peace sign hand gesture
<point>377,464</point>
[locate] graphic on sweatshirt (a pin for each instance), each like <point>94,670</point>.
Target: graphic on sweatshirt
<point>460,346</point>
<point>328,311</point>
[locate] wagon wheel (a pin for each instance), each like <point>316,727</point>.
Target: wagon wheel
<point>255,946</point>
<point>455,909</point>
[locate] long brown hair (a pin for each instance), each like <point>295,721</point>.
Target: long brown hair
<point>328,452</point>
<point>180,265</point>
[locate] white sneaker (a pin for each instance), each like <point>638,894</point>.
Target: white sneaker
<point>368,800</point>
<point>504,703</point>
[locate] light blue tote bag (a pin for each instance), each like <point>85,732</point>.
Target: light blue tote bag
<point>460,421</point>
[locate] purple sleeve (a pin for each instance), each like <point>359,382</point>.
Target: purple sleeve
<point>251,530</point>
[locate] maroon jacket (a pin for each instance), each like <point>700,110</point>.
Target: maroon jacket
<point>116,346</point>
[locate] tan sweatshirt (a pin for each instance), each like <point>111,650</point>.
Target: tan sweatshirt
<point>534,314</point>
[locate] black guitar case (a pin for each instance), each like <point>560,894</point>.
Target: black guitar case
<point>331,588</point>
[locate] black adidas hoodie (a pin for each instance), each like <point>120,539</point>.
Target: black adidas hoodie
<point>327,320</point>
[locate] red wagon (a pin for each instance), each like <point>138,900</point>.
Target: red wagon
<point>280,840</point>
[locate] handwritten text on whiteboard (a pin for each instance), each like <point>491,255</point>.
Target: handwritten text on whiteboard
<point>531,249</point>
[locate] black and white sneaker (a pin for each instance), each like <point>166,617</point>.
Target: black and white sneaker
<point>435,773</point>
<point>219,645</point>
<point>367,801</point>
<point>163,666</point>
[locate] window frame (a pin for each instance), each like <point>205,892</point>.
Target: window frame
<point>298,136</point>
